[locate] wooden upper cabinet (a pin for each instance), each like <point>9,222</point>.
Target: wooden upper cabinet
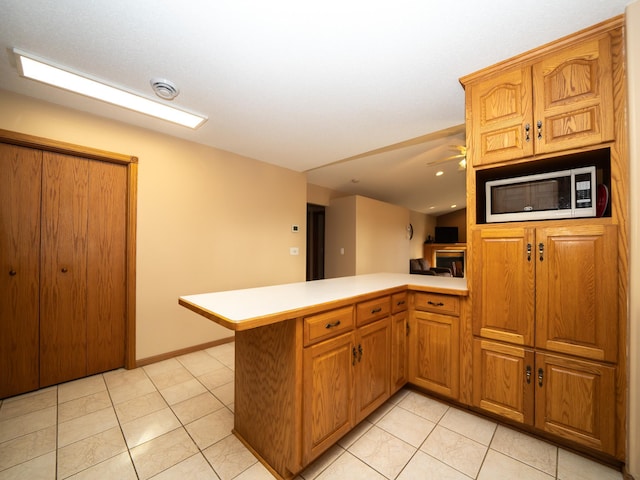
<point>559,101</point>
<point>500,109</point>
<point>573,97</point>
<point>577,291</point>
<point>504,283</point>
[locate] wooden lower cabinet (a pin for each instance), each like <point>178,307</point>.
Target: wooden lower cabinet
<point>328,394</point>
<point>399,350</point>
<point>435,358</point>
<point>434,343</point>
<point>372,367</point>
<point>503,380</point>
<point>563,396</point>
<point>575,399</point>
<point>345,379</point>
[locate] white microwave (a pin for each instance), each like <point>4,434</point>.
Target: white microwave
<point>543,196</point>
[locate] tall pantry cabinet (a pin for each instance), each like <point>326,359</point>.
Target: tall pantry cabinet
<point>549,297</point>
<point>66,292</point>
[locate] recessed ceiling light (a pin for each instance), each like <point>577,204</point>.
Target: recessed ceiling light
<point>454,206</point>
<point>439,173</point>
<point>46,72</point>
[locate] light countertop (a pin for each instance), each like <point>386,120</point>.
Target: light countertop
<point>253,307</point>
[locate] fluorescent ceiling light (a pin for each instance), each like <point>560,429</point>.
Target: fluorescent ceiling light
<point>45,72</point>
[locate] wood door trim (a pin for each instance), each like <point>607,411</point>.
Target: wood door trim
<point>49,145</point>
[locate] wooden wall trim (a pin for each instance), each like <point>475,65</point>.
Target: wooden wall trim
<point>183,351</point>
<point>24,140</point>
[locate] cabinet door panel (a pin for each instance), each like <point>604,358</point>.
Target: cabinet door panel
<point>575,401</point>
<point>435,357</point>
<point>399,350</point>
<point>328,400</point>
<point>372,370</point>
<point>574,97</point>
<point>20,181</point>
<point>106,275</point>
<point>501,383</point>
<point>503,278</point>
<point>576,284</point>
<point>500,110</point>
<point>63,297</point>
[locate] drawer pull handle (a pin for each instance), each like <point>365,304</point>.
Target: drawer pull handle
<point>439,304</point>
<point>401,302</point>
<point>359,353</point>
<point>354,352</point>
<point>528,373</point>
<point>376,310</point>
<point>331,325</point>
<point>540,376</point>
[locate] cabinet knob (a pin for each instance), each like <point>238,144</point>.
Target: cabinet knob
<point>528,252</point>
<point>64,270</point>
<point>541,250</point>
<point>528,373</point>
<point>12,272</point>
<point>527,128</point>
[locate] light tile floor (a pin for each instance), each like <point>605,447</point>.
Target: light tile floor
<point>173,420</point>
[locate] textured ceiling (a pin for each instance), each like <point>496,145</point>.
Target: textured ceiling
<point>299,84</point>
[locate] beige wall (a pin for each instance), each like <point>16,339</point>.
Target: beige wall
<point>340,238</point>
<point>423,225</point>
<point>373,235</point>
<point>633,65</point>
<point>382,240</point>
<point>207,219</point>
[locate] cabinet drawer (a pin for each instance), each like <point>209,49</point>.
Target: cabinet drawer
<point>398,302</point>
<point>327,324</point>
<point>438,303</point>
<point>367,312</point>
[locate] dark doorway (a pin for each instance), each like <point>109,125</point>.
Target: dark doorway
<point>315,242</point>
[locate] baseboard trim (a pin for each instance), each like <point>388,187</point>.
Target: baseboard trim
<point>183,351</point>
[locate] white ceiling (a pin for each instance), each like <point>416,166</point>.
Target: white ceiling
<point>299,84</point>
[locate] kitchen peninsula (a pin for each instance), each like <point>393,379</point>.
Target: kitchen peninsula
<point>313,359</point>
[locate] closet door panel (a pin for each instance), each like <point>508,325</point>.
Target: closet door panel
<point>106,277</point>
<point>63,295</point>
<point>20,176</point>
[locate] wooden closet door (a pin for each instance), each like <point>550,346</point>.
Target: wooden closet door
<point>106,274</point>
<point>63,294</point>
<point>20,175</point>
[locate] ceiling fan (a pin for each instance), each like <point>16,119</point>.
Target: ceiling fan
<point>459,153</point>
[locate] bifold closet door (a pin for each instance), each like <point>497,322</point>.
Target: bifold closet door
<point>106,267</point>
<point>20,170</point>
<point>63,268</point>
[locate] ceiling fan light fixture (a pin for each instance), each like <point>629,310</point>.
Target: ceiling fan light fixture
<point>47,72</point>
